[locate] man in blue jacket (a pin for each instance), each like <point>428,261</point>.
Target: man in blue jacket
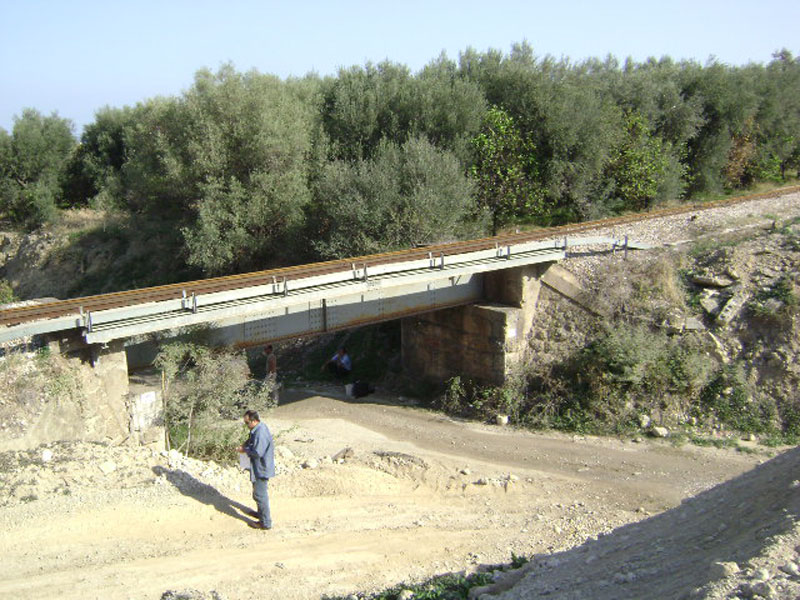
<point>261,452</point>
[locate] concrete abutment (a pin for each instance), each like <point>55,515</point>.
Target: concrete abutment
<point>482,342</point>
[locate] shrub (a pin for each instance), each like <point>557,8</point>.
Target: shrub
<point>203,386</point>
<point>6,292</point>
<point>727,400</point>
<point>470,399</point>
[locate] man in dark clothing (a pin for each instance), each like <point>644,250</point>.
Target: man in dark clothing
<point>261,452</point>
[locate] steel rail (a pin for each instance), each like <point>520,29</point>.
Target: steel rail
<point>176,291</point>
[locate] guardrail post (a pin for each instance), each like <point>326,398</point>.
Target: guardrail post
<point>194,302</point>
<point>626,248</point>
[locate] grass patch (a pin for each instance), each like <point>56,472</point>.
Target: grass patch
<point>452,586</point>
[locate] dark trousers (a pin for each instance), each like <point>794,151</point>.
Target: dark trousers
<point>338,370</point>
<point>261,497</point>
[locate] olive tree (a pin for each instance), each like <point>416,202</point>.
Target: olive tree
<point>406,195</point>
<point>34,159</point>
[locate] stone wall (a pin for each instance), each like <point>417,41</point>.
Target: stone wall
<point>482,342</point>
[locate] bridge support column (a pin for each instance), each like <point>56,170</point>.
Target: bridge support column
<point>481,342</point>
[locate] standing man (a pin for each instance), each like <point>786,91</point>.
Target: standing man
<point>261,451</point>
<point>271,363</point>
<point>271,372</point>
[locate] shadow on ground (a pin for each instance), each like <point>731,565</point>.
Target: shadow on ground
<point>204,493</point>
<point>671,554</point>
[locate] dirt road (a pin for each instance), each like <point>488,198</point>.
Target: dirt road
<point>420,494</point>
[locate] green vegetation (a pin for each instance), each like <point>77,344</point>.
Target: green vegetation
<point>6,292</point>
<point>634,369</point>
<point>204,390</point>
<point>33,162</point>
<point>244,171</point>
<point>602,388</point>
<point>452,586</point>
<point>26,384</point>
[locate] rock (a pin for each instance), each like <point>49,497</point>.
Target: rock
<point>693,324</point>
<point>721,570</point>
<point>344,454</point>
<point>673,323</point>
<point>644,421</point>
<point>791,568</point>
<point>465,471</point>
<point>311,463</point>
<point>190,594</point>
<point>660,432</point>
<point>731,308</point>
<point>47,455</point>
<point>107,467</point>
<point>406,595</point>
<point>764,589</point>
<point>715,281</point>
<point>710,304</point>
<point>501,419</point>
<point>762,575</point>
<point>773,305</point>
<point>284,452</point>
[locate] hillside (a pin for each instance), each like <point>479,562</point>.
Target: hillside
<point>420,494</point>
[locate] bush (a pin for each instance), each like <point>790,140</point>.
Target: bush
<point>468,399</point>
<point>602,388</point>
<point>727,400</point>
<point>6,292</point>
<point>776,304</point>
<point>451,586</point>
<point>204,386</point>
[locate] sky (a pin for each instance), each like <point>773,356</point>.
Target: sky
<point>75,57</point>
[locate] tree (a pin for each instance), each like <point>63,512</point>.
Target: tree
<point>779,117</point>
<point>34,161</point>
<point>213,384</point>
<point>246,149</point>
<point>729,102</point>
<point>449,108</point>
<point>639,167</point>
<point>95,171</point>
<point>364,105</point>
<point>505,170</point>
<point>406,195</point>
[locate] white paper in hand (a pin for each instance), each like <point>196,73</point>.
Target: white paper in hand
<point>244,461</point>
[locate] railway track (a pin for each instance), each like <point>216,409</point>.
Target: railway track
<point>79,306</point>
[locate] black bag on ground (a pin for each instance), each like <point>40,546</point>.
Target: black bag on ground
<point>361,389</point>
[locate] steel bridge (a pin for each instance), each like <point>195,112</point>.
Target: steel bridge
<point>249,309</point>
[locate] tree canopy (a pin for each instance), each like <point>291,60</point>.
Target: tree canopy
<point>251,171</point>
